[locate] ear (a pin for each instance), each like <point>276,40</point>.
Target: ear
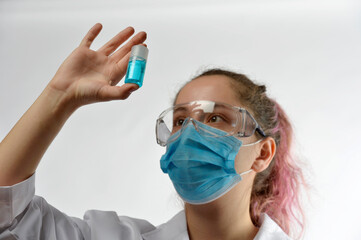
<point>265,153</point>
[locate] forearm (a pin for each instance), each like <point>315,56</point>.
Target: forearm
<point>24,146</point>
<point>85,77</point>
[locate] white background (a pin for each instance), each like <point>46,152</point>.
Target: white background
<point>308,53</point>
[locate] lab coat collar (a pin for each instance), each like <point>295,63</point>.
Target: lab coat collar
<point>175,228</point>
<point>270,230</point>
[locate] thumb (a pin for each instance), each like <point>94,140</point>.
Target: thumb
<point>108,92</point>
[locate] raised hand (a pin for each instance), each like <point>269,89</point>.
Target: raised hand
<point>88,76</point>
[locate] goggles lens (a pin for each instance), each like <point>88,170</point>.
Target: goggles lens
<point>232,120</point>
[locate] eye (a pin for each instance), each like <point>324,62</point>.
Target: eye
<point>178,122</point>
<point>216,118</point>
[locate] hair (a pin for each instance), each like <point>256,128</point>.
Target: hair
<point>276,190</point>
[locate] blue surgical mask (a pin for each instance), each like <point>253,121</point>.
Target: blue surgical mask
<point>200,165</point>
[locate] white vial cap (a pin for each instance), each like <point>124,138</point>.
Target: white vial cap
<point>139,51</point>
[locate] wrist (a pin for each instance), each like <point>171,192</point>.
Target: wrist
<point>58,103</point>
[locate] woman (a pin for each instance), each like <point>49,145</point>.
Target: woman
<point>227,155</point>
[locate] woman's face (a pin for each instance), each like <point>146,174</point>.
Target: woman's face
<point>217,88</point>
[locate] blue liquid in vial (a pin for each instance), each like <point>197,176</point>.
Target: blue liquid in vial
<point>135,72</point>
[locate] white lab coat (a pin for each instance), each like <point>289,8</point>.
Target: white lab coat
<point>26,216</point>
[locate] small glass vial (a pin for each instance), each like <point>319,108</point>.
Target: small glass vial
<point>136,65</point>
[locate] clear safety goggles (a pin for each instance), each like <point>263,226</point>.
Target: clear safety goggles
<point>233,121</point>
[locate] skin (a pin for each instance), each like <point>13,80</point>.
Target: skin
<point>89,76</point>
<point>85,77</point>
<point>227,217</point>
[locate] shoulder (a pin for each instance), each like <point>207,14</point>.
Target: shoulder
<point>104,223</point>
<point>96,224</point>
<point>270,230</point>
<point>40,220</point>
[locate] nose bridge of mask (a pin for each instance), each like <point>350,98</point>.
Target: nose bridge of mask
<point>200,127</point>
<point>203,129</point>
<point>210,132</point>
<point>189,121</point>
<point>227,146</point>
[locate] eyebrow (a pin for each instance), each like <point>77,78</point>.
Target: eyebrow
<point>180,109</point>
<point>184,109</point>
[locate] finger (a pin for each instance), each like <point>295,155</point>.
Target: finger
<point>137,39</point>
<point>122,66</point>
<point>107,92</point>
<point>115,42</point>
<point>91,35</point>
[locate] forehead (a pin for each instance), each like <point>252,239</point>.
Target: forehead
<point>215,88</point>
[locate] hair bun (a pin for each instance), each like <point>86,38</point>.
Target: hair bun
<point>261,89</point>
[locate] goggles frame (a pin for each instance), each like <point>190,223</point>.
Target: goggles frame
<point>238,110</point>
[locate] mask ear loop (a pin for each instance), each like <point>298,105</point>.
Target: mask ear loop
<point>246,145</point>
<point>251,144</point>
<point>248,171</point>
